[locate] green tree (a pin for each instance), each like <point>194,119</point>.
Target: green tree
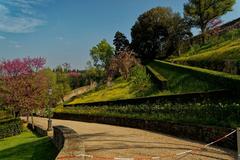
<point>201,12</point>
<point>94,74</point>
<point>142,83</point>
<point>154,32</point>
<point>101,54</point>
<point>181,32</point>
<point>63,84</point>
<point>55,96</point>
<point>120,41</point>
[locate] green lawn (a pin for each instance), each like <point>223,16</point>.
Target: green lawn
<point>27,146</point>
<point>180,81</point>
<point>120,89</point>
<point>228,50</point>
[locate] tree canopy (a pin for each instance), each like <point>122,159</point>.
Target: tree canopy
<point>154,32</point>
<point>120,41</point>
<point>201,12</point>
<point>101,54</point>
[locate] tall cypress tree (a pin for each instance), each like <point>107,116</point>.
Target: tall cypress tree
<point>120,41</point>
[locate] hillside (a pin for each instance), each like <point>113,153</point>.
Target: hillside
<point>221,55</point>
<point>179,81</point>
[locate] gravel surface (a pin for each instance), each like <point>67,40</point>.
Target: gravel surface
<point>114,141</point>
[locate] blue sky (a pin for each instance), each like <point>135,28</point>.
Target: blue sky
<point>65,30</point>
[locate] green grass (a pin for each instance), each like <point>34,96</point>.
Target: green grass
<point>182,81</point>
<point>27,146</point>
<point>228,50</point>
<point>120,89</point>
<point>179,81</point>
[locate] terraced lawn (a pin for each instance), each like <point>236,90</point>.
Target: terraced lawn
<point>27,146</point>
<point>228,50</point>
<point>180,81</point>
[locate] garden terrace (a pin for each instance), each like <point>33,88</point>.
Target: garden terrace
<point>215,78</point>
<point>170,81</point>
<point>219,53</point>
<point>222,112</point>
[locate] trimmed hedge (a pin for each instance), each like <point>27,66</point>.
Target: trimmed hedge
<point>10,127</point>
<point>223,113</point>
<point>157,78</point>
<point>227,80</point>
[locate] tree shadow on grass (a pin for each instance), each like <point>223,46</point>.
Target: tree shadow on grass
<point>42,149</point>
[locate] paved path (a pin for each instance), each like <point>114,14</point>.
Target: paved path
<point>114,141</point>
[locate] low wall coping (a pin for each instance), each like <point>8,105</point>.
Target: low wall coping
<point>68,142</point>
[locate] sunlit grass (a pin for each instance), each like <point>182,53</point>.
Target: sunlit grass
<point>119,89</point>
<point>27,146</point>
<point>228,50</point>
<point>180,81</point>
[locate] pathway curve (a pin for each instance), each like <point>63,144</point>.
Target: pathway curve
<point>114,141</point>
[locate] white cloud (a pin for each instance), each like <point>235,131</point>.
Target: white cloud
<point>19,16</point>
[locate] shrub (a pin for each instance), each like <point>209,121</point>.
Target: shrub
<point>10,127</point>
<point>4,114</point>
<point>141,80</point>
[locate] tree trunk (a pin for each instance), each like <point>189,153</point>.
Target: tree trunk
<point>32,121</point>
<point>27,117</point>
<point>203,36</point>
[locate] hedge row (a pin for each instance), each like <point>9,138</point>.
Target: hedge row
<point>229,81</point>
<point>157,78</point>
<point>224,113</point>
<point>10,127</point>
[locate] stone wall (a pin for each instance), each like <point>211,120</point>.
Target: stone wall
<point>69,143</point>
<point>38,129</point>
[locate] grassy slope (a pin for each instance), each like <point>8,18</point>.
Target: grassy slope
<point>178,82</point>
<point>120,89</point>
<point>228,50</point>
<point>27,146</point>
<point>182,82</point>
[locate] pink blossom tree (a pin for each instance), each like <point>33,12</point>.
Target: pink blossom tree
<point>24,87</point>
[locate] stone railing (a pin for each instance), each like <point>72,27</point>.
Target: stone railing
<point>68,142</point>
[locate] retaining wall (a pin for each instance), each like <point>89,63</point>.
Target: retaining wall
<point>38,129</point>
<point>68,142</point>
